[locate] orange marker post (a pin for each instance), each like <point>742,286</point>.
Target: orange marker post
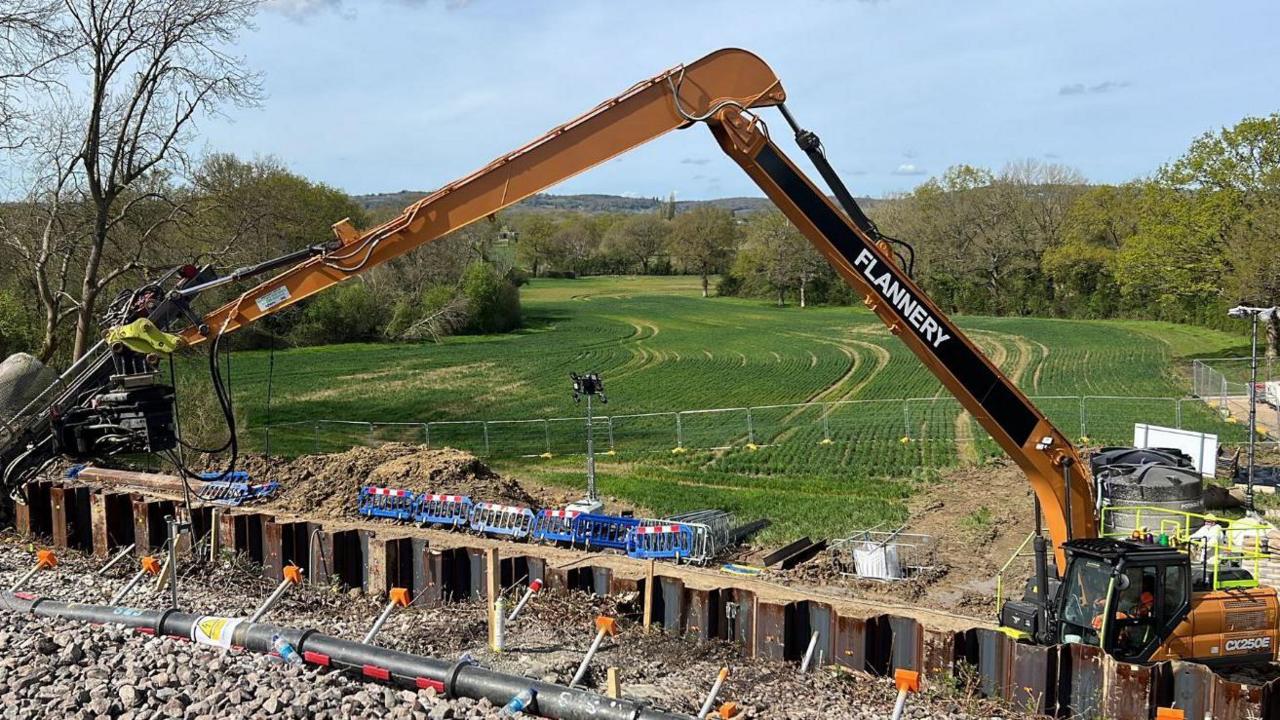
<point>149,566</point>
<point>45,560</point>
<point>398,597</point>
<point>908,681</point>
<point>292,576</point>
<point>715,690</point>
<point>604,626</point>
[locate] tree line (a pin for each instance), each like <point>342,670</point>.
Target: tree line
<point>99,110</point>
<point>1196,237</point>
<point>103,191</point>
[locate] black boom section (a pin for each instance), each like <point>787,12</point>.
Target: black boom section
<point>937,333</point>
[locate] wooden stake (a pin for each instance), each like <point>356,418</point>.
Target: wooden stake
<point>614,687</point>
<point>493,574</point>
<point>648,595</point>
<point>215,535</point>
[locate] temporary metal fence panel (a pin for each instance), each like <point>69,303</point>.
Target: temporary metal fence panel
<point>603,531</point>
<point>554,525</point>
<point>645,433</point>
<point>893,435</point>
<point>466,435</point>
<point>396,432</point>
<point>671,541</point>
<point>451,510</point>
<point>494,519</point>
<point>714,429</point>
<point>391,503</point>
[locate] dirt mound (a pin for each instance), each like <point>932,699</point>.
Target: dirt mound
<point>977,517</point>
<point>328,485</point>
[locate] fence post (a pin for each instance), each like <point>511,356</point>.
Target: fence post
<point>370,434</point>
<point>546,434</point>
<point>1178,413</point>
<point>1084,419</point>
<point>426,434</point>
<point>751,430</point>
<point>486,439</point>
<point>906,418</point>
<point>610,433</point>
<point>679,431</point>
<point>315,437</point>
<point>826,424</point>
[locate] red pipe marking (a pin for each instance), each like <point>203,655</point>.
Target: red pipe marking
<point>377,673</point>
<point>424,683</point>
<point>316,658</point>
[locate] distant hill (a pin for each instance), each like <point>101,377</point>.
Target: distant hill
<point>590,203</point>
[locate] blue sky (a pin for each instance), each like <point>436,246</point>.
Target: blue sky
<point>384,95</point>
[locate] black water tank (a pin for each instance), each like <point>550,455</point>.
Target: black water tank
<point>1109,456</point>
<point>1157,487</point>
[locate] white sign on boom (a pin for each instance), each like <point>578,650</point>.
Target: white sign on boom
<point>1202,447</point>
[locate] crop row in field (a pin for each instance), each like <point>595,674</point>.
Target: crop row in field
<point>661,354</point>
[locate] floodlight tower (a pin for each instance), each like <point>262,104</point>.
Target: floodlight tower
<point>1256,314</point>
<point>589,386</point>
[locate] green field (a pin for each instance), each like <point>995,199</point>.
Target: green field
<point>662,348</point>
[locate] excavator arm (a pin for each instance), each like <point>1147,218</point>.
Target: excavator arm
<point>722,90</point>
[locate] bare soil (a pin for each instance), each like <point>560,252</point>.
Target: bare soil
<point>328,485</point>
<point>978,516</point>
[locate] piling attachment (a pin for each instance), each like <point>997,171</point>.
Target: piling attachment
<point>398,597</point>
<point>604,626</point>
<point>908,681</point>
<point>150,566</point>
<point>45,560</point>
<point>715,690</point>
<point>292,576</point>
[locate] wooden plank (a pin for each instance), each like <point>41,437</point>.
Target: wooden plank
<point>100,529</point>
<point>648,595</point>
<point>492,575</point>
<point>58,510</point>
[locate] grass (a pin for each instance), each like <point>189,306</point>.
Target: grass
<point>661,347</point>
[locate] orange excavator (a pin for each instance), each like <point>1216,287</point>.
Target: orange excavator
<point>113,400</point>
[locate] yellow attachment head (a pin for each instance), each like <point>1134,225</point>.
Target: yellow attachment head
<point>46,559</point>
<point>293,574</point>
<point>400,596</point>
<point>144,337</point>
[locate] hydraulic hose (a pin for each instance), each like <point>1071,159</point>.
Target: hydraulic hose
<point>373,662</point>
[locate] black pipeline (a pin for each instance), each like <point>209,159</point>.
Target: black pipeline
<point>374,663</point>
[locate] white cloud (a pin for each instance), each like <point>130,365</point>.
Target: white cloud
<point>908,169</point>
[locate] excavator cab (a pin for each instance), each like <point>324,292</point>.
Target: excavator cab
<point>1125,597</point>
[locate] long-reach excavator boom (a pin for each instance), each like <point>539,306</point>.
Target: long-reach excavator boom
<point>1137,600</point>
<point>722,90</point>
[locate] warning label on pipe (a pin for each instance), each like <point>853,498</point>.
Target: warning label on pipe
<point>215,631</point>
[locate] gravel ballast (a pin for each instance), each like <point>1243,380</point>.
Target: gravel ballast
<point>59,669</point>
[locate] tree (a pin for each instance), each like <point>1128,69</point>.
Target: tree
<point>493,303</point>
<point>639,239</point>
<point>574,242</point>
<point>133,79</point>
<point>534,231</point>
<point>1082,266</point>
<point>1234,175</point>
<point>704,239</point>
<point>775,254</point>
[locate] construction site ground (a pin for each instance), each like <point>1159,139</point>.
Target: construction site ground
<point>66,670</point>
